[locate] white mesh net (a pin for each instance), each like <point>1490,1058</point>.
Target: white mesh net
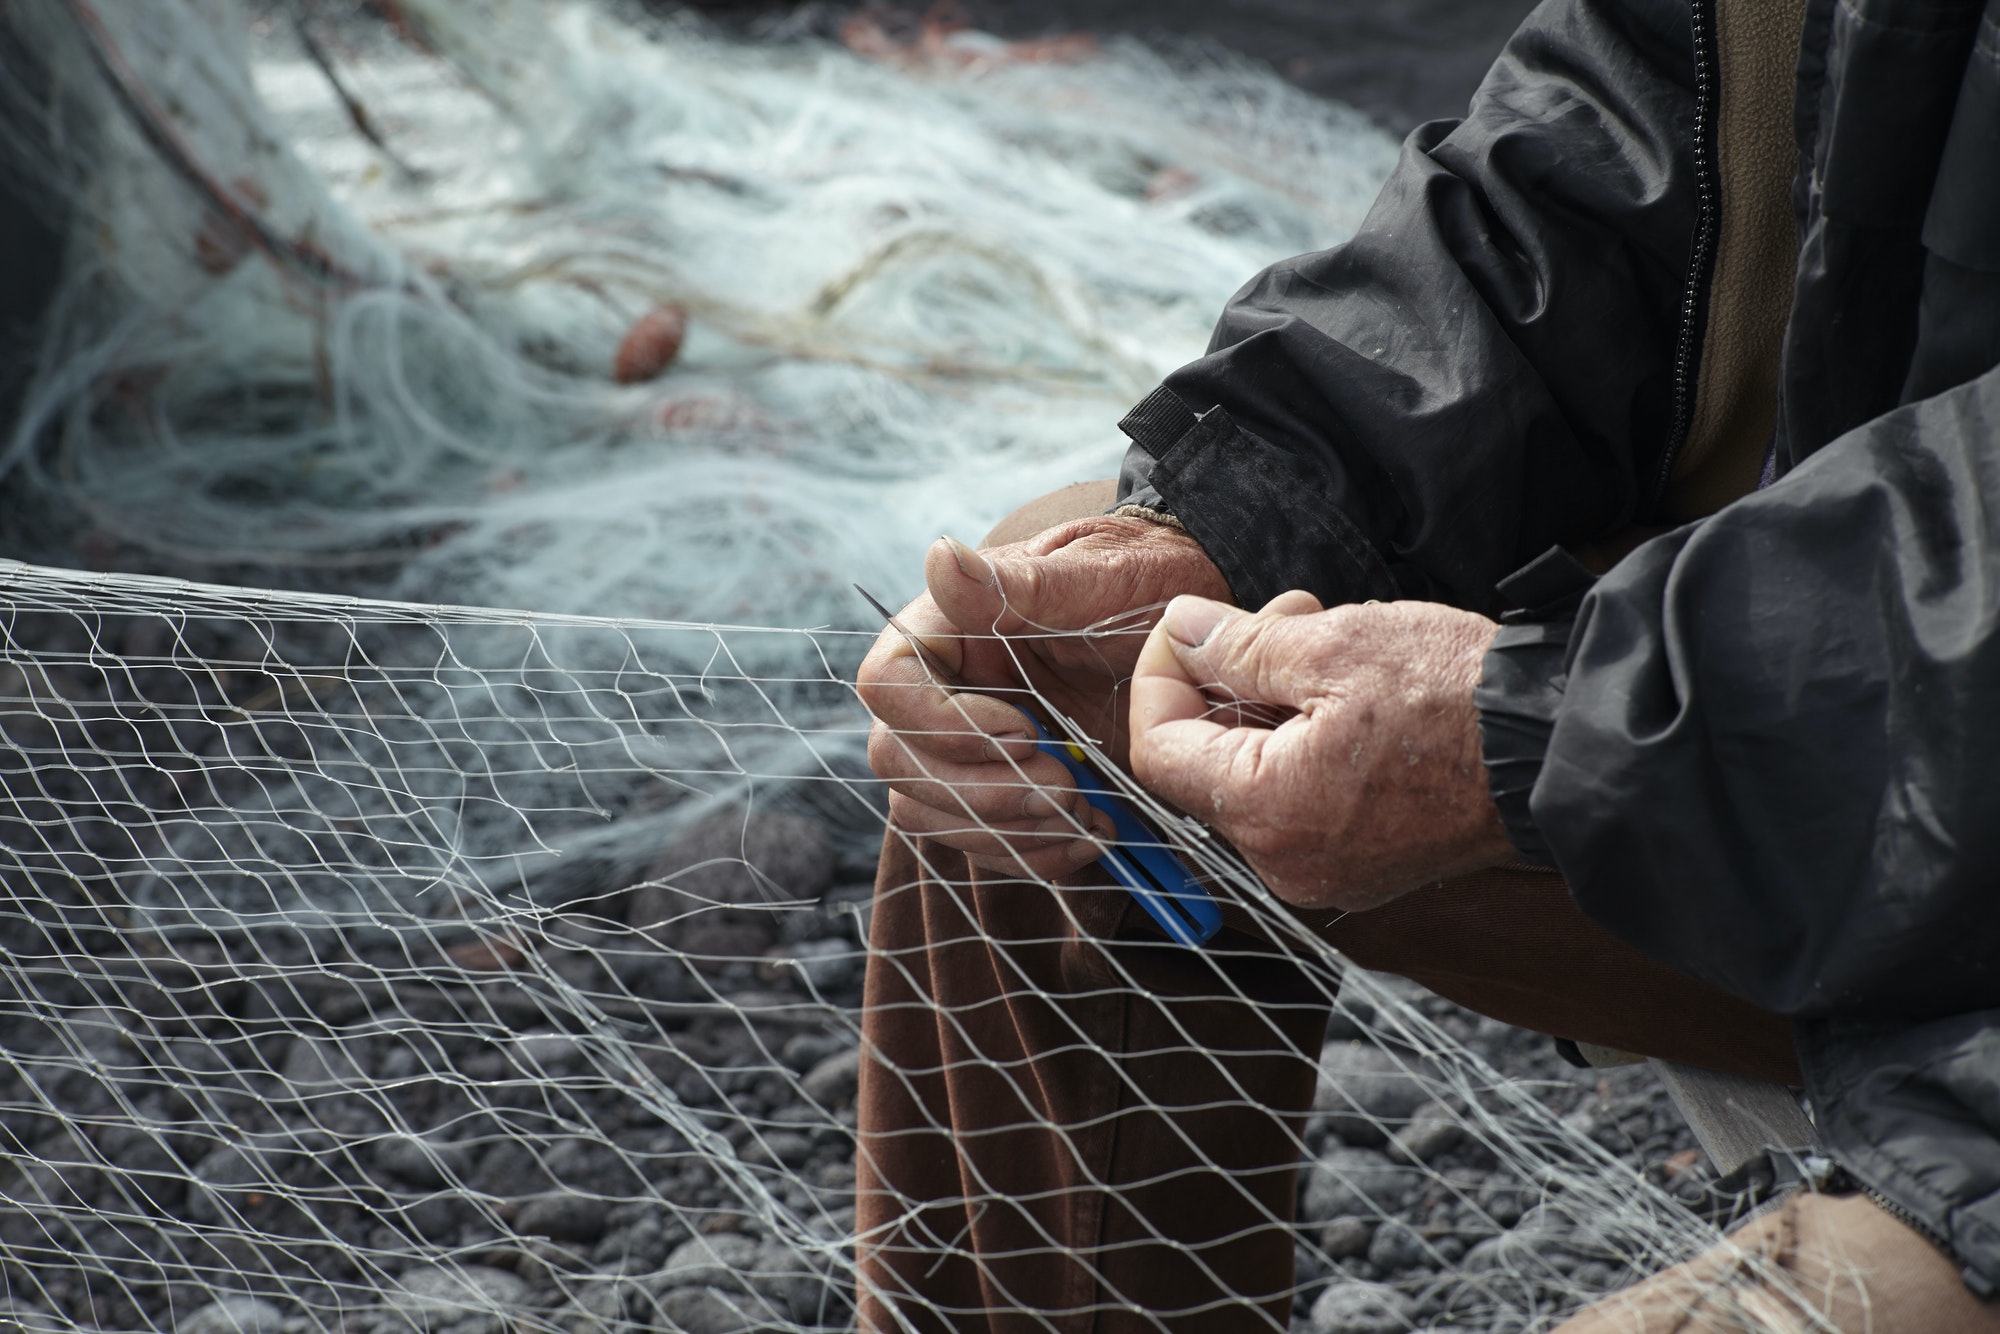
<point>431,966</point>
<point>324,965</point>
<point>380,966</point>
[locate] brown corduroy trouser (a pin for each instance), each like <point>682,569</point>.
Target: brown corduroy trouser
<point>1070,1125</point>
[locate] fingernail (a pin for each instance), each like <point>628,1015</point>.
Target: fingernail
<point>1059,828</point>
<point>1036,802</point>
<point>970,563</point>
<point>1086,851</point>
<point>1192,620</point>
<point>995,746</point>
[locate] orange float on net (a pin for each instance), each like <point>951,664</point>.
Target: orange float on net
<point>651,345</point>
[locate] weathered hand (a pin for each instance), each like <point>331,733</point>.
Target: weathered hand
<point>1371,788</point>
<point>1065,612</point>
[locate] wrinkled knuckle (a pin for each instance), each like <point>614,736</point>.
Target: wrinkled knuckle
<point>1271,684</point>
<point>882,682</point>
<point>871,666</point>
<point>885,751</point>
<point>1023,582</point>
<point>903,809</point>
<point>1242,640</point>
<point>1258,842</point>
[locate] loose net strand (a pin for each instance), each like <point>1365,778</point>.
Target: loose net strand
<point>382,961</point>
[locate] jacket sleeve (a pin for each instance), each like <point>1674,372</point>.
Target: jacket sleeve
<point>1485,368</point>
<point>1770,741</point>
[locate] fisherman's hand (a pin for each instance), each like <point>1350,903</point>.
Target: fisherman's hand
<point>1337,750</point>
<point>1064,612</point>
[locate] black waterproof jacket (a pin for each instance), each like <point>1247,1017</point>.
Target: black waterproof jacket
<point>1725,276</point>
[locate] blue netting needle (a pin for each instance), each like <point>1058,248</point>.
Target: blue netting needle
<point>1139,859</point>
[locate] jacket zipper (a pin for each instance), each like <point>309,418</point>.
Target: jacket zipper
<point>1837,1180</point>
<point>1701,262</point>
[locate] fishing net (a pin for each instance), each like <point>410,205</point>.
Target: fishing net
<point>914,292</point>
<point>397,966</point>
<point>380,961</point>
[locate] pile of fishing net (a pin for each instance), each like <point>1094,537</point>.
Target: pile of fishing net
<point>915,293</point>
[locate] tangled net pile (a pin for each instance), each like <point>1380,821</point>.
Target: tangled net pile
<point>383,965</point>
<point>915,294</point>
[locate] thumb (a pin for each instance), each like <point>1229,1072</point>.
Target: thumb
<point>1272,657</point>
<point>1006,591</point>
<point>1180,750</point>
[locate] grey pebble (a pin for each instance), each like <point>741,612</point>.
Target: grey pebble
<point>1347,1181</point>
<point>1542,1244</point>
<point>1504,1202</point>
<point>142,1155</point>
<point>733,860</point>
<point>1548,1228</point>
<point>1351,1306</point>
<point>561,1216</point>
<point>718,1260</point>
<point>222,1180</point>
<point>1366,1093</point>
<point>828,965</point>
<point>512,1169</point>
<point>433,1297</point>
<point>234,1315</point>
<point>419,1160</point>
<point>320,1066</point>
<point>440,1217</point>
<point>785,1278</point>
<point>104,1038</point>
<point>617,1252</point>
<point>598,1307</point>
<point>545,1053</point>
<point>781,1147</point>
<point>574,1319</point>
<point>1396,1247</point>
<point>710,1311</point>
<point>805,1050</point>
<point>1345,1238</point>
<point>835,1080</point>
<point>1594,1277</point>
<point>1432,1131</point>
<point>588,1165</point>
<point>1485,1256</point>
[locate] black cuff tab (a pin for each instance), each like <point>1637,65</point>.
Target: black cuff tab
<point>1519,692</point>
<point>1252,507</point>
<point>1548,588</point>
<point>1159,420</point>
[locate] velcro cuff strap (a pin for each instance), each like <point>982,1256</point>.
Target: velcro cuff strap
<point>1519,693</point>
<point>1159,420</point>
